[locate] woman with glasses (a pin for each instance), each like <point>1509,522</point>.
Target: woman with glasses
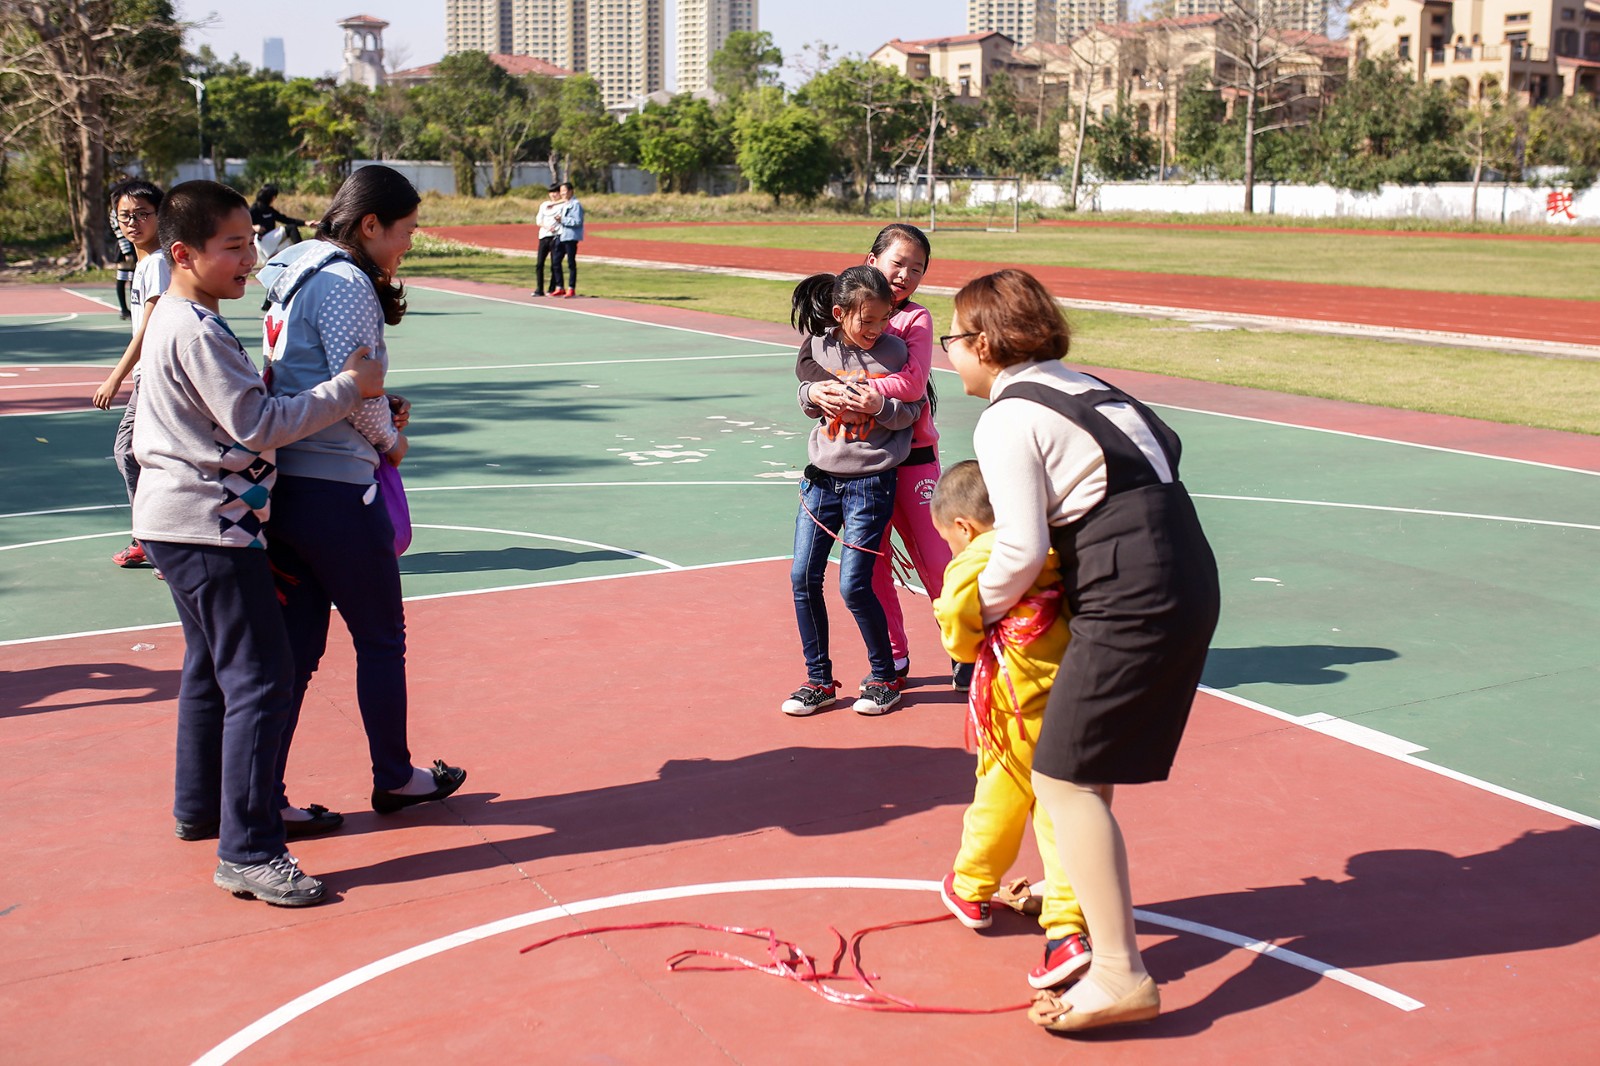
<point>1078,465</point>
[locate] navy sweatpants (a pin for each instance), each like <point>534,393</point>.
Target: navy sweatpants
<point>234,697</point>
<point>331,549</point>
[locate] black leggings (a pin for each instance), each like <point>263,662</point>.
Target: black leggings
<point>545,244</point>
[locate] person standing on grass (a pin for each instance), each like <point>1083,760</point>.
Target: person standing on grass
<point>549,222</point>
<point>134,205</point>
<point>1078,465</point>
<point>901,254</point>
<point>207,440</point>
<point>571,232</point>
<point>333,543</point>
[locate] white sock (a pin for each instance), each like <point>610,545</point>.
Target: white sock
<point>901,664</point>
<point>421,783</point>
<point>295,814</point>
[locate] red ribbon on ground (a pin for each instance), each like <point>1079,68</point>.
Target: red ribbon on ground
<point>789,961</point>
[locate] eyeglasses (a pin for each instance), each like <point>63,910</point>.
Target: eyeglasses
<point>944,341</point>
<point>132,217</point>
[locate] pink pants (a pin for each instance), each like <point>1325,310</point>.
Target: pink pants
<point>913,521</point>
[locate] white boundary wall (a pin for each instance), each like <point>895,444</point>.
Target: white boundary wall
<point>1450,200</point>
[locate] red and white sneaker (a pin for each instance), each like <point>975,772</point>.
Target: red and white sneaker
<point>879,696</point>
<point>130,557</point>
<point>570,293</point>
<point>558,292</point>
<point>972,915</point>
<point>1064,960</point>
<point>810,698</point>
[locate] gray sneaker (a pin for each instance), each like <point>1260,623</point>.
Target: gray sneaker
<point>278,880</point>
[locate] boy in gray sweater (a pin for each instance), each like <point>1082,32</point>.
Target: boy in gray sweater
<point>205,441</point>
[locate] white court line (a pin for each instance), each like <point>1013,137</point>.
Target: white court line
<point>91,299</point>
<point>587,362</point>
<point>1383,440</point>
<point>46,322</point>
<point>66,510</point>
<point>1388,746</point>
<point>65,540</point>
<point>1391,747</point>
<point>309,1001</point>
<point>1399,510</point>
<point>89,409</point>
<point>595,314</point>
<point>546,536</point>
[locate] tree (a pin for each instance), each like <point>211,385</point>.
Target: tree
<point>1117,150</point>
<point>1492,137</point>
<point>329,121</point>
<point>1006,140</point>
<point>864,108</point>
<point>746,61</point>
<point>785,154</point>
<point>588,139</point>
<point>679,140</point>
<point>1566,133</point>
<point>1384,126</point>
<point>1198,145</point>
<point>71,68</point>
<point>1269,67</point>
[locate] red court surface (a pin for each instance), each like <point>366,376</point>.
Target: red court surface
<point>43,299</point>
<point>614,758</point>
<point>1528,318</point>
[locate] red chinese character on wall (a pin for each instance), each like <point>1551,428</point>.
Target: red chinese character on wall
<point>1559,202</point>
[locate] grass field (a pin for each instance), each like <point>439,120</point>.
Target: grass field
<point>1498,268</point>
<point>1522,390</point>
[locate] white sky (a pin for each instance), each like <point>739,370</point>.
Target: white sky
<point>313,42</point>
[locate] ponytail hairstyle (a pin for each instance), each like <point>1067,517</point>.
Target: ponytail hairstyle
<point>372,190</point>
<point>815,298</point>
<point>905,233</point>
<point>268,193</point>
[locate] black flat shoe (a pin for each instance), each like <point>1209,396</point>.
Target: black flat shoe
<point>446,779</point>
<point>196,830</point>
<point>321,821</point>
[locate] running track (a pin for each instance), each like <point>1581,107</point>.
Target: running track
<point>1522,317</point>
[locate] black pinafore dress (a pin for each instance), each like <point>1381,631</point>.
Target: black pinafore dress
<point>1141,582</point>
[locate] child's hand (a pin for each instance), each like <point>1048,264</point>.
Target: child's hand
<point>398,452</point>
<point>861,399</point>
<point>367,370</point>
<point>399,410</point>
<point>107,392</point>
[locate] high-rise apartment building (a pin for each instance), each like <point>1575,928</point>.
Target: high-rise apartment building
<point>1308,15</point>
<point>620,42</point>
<point>272,54</point>
<point>1021,20</point>
<point>1074,17</point>
<point>703,26</point>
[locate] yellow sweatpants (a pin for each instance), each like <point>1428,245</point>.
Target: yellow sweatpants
<point>1002,807</point>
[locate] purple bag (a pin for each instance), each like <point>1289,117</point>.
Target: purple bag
<point>394,500</point>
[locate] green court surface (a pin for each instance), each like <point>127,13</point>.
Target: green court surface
<point>1447,601</point>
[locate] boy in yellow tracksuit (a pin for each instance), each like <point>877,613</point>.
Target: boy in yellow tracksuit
<point>1016,665</point>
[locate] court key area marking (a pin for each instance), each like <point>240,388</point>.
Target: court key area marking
<point>270,1023</point>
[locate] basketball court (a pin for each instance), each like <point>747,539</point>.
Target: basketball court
<point>1379,842</point>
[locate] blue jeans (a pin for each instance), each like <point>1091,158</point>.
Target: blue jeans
<point>858,510</point>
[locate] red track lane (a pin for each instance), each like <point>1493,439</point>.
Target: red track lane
<point>1578,450</point>
<point>1561,321</point>
<point>596,771</point>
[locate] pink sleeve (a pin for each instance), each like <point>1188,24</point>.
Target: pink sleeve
<point>914,326</point>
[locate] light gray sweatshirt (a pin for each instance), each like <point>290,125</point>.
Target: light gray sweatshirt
<point>870,447</point>
<point>207,432</point>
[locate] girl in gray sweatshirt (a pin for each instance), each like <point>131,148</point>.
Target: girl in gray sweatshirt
<point>847,493</point>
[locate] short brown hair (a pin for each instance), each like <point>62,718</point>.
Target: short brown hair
<point>961,493</point>
<point>1022,321</point>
